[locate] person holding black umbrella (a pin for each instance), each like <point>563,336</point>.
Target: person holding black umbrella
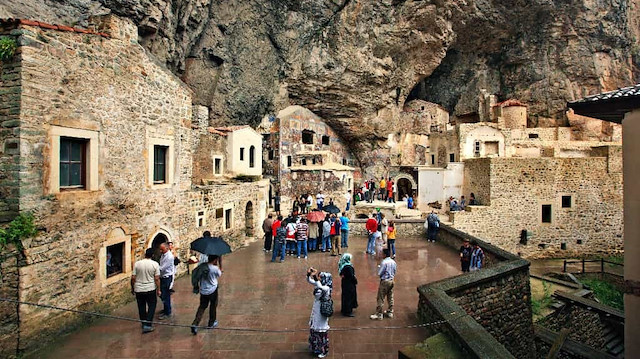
<point>208,288</point>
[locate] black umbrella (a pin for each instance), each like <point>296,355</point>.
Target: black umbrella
<point>211,246</point>
<point>331,209</point>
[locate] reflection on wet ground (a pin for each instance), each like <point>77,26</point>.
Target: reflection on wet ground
<point>256,293</point>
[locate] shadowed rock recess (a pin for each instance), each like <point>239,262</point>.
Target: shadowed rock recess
<point>353,61</point>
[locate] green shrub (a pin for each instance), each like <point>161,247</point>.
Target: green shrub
<point>537,305</point>
<point>607,293</point>
<point>8,47</point>
<point>21,227</point>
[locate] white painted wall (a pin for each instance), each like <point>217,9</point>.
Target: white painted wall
<point>482,134</point>
<point>244,138</point>
<point>453,180</point>
<point>430,186</point>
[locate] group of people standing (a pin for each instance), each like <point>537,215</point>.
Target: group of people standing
<point>471,256</point>
<point>297,236</point>
<point>381,233</point>
<point>382,190</point>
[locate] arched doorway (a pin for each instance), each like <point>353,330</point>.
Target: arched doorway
<point>405,185</point>
<point>248,220</point>
<point>158,239</point>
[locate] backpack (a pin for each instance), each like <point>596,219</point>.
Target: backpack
<point>326,306</point>
<point>337,225</point>
<point>201,270</point>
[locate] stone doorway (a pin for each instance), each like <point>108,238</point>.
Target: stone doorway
<point>404,188</point>
<point>248,220</point>
<point>155,244</point>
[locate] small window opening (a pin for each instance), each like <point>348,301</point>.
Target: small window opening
<point>546,213</point>
<point>452,157</point>
<point>533,135</point>
<point>160,164</point>
<point>477,148</point>
<point>73,162</point>
<point>289,161</point>
<point>307,137</point>
<point>304,161</point>
<point>241,153</point>
<point>217,166</point>
<point>219,213</point>
<point>326,140</point>
<point>115,258</point>
<point>344,161</point>
<point>433,159</point>
<point>313,160</point>
<point>566,201</point>
<point>271,155</point>
<point>227,221</point>
<point>252,157</point>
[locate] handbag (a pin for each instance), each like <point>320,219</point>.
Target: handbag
<point>326,307</point>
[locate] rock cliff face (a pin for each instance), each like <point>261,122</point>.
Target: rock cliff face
<point>356,62</point>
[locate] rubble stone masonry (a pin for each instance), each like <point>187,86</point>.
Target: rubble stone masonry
<point>512,192</point>
<point>111,93</point>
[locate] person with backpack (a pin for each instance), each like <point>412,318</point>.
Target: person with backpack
<point>335,235</point>
<point>326,234</point>
<point>321,310</point>
<point>432,224</point>
<point>279,238</point>
<point>205,281</point>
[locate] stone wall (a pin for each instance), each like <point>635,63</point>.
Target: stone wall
<point>9,288</point>
<point>497,320</point>
<point>10,87</point>
<point>519,187</point>
<point>108,87</point>
<point>404,228</point>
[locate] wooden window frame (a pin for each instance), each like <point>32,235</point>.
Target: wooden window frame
<point>64,141</point>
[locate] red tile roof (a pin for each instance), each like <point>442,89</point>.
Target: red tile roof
<point>510,102</point>
<point>45,25</point>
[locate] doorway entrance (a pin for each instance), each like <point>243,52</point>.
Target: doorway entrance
<point>155,244</point>
<point>248,220</point>
<point>404,188</point>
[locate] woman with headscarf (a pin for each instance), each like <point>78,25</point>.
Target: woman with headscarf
<point>349,282</point>
<point>318,323</point>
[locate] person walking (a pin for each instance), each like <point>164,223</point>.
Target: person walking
<point>276,203</point>
<point>465,255</point>
<point>391,240</point>
<point>145,285</point>
<point>318,323</point>
<point>349,282</point>
<point>477,256</point>
<point>344,230</point>
<point>335,235</point>
<point>167,270</point>
<point>302,235</point>
<point>372,190</point>
<point>326,234</point>
<point>347,197</point>
<point>280,237</point>
<point>387,273</point>
<point>372,227</point>
<point>268,234</point>
<point>208,287</point>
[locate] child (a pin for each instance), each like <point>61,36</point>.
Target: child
<point>391,235</point>
<point>477,256</point>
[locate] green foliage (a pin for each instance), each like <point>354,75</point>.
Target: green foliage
<point>20,228</point>
<point>537,305</point>
<point>616,258</point>
<point>8,47</point>
<point>607,293</point>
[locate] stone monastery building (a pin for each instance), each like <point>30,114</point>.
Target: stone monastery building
<point>103,145</point>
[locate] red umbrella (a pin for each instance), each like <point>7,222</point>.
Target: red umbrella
<point>316,216</point>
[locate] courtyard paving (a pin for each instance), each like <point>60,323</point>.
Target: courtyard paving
<point>256,293</point>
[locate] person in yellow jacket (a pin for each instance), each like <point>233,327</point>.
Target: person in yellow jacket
<point>391,238</point>
<point>383,189</point>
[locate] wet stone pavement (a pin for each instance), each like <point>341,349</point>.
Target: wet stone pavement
<point>255,293</point>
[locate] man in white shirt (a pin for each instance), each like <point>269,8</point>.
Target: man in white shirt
<point>320,200</point>
<point>208,294</point>
<point>167,270</point>
<point>145,284</point>
<point>347,196</point>
<point>387,273</point>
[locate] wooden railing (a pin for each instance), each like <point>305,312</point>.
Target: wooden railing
<point>583,263</point>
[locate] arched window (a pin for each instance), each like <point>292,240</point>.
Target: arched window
<point>252,156</point>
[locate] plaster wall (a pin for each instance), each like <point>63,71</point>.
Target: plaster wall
<point>244,138</point>
<point>483,133</point>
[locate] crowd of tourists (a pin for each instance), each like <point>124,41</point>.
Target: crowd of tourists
<point>371,190</point>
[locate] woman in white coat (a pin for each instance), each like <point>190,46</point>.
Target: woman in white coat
<point>318,323</point>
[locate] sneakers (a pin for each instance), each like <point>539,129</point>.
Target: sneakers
<point>147,329</point>
<point>194,330</point>
<point>322,355</point>
<point>165,316</point>
<point>215,325</point>
<point>388,314</point>
<point>298,257</point>
<point>376,316</point>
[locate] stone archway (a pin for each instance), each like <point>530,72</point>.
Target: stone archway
<point>159,236</point>
<point>248,220</point>
<point>405,184</point>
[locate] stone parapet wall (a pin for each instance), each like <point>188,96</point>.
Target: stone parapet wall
<point>519,187</point>
<point>496,319</point>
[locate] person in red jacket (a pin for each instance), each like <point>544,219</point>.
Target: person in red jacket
<point>372,227</point>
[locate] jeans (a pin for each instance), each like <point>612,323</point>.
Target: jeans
<point>267,240</point>
<point>344,235</point>
<point>146,306</point>
<point>392,246</point>
<point>313,244</point>
<point>205,300</point>
<point>320,206</point>
<point>277,248</point>
<point>165,294</point>
<point>371,245</point>
<point>291,246</point>
<point>326,243</point>
<point>348,204</point>
<point>302,247</point>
